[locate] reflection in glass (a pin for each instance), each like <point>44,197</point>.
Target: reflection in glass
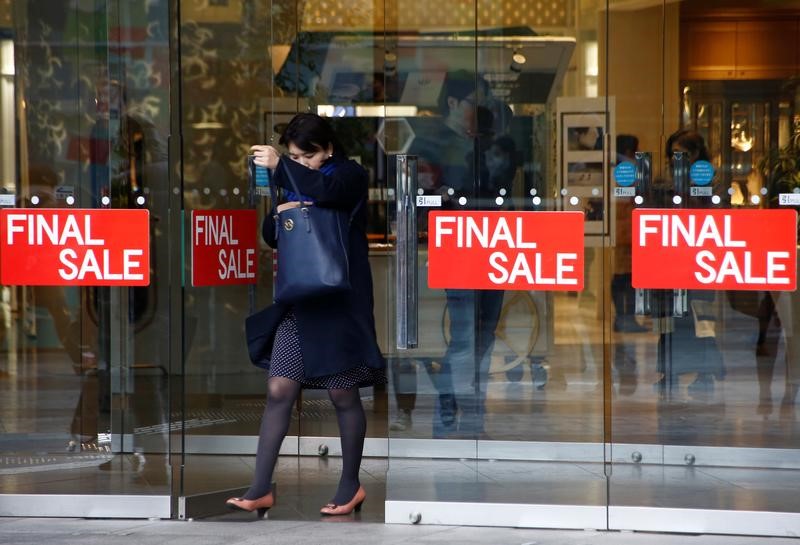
<point>84,114</point>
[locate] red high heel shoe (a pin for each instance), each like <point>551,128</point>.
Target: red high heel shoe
<point>331,509</point>
<point>260,505</point>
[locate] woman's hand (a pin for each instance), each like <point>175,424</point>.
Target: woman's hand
<point>265,156</point>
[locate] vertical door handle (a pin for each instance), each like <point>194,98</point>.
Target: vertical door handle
<point>680,178</point>
<point>644,177</point>
<point>406,278</point>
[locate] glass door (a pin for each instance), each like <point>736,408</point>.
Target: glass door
<point>84,369</point>
<point>500,397</point>
<point>225,88</point>
<point>279,58</point>
<point>703,401</point>
<point>335,67</point>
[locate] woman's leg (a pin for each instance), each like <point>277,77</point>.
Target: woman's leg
<point>352,429</point>
<point>274,425</point>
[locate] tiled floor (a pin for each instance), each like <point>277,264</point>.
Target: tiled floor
<point>347,531</point>
<point>305,483</point>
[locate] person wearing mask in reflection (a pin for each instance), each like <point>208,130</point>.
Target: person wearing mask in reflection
<point>501,166</point>
<point>453,152</point>
<point>326,342</point>
<point>694,349</point>
<point>622,292</point>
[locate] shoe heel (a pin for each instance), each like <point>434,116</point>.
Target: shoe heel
<point>357,508</point>
<point>261,511</point>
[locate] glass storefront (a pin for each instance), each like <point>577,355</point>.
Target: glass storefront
<point>609,406</point>
<point>86,370</point>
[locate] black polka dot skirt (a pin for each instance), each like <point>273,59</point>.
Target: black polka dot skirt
<point>287,361</point>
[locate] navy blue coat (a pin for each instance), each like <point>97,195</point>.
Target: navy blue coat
<point>337,332</point>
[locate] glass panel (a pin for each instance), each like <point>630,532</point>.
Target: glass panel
<point>335,68</point>
<point>84,116</point>
<point>691,386</point>
<point>546,152</point>
<point>226,62</point>
<point>248,68</point>
<point>434,93</point>
<point>489,396</point>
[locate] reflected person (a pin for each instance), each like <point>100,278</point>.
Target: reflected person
<point>688,344</point>
<point>622,292</point>
<point>451,152</point>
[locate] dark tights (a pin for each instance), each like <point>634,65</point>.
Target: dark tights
<point>275,423</point>
<point>352,428</point>
<point>282,393</point>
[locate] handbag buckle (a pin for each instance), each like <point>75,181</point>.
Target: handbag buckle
<point>288,224</point>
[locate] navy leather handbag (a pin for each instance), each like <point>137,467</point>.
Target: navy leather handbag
<point>312,249</point>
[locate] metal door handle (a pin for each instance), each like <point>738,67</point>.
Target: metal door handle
<point>644,177</point>
<point>406,283</point>
<point>680,177</point>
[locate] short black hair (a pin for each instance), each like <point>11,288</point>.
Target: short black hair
<point>627,143</point>
<point>460,84</point>
<point>689,140</point>
<point>310,132</point>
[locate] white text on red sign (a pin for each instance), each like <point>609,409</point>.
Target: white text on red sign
<point>83,247</point>
<point>223,247</point>
<point>505,250</point>
<point>714,249</point>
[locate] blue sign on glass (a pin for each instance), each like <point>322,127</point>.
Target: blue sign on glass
<point>262,176</point>
<point>625,174</point>
<point>259,175</point>
<point>701,173</point>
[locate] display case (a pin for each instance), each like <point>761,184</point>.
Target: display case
<point>743,124</point>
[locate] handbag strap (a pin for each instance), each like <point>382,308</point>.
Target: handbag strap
<point>293,183</point>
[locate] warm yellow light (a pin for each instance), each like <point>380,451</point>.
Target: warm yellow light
<point>7,58</point>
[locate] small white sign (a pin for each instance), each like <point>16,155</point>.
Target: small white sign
<point>624,191</point>
<point>700,191</point>
<point>789,199</point>
<point>64,191</point>
<point>8,199</point>
<point>429,200</point>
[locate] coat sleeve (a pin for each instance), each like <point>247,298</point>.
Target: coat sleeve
<point>343,189</point>
<point>268,229</point>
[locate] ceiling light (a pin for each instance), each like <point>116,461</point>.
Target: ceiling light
<point>517,60</point>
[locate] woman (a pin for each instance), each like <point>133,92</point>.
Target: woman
<point>693,344</point>
<point>327,342</point>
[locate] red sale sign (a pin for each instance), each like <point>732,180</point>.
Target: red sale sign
<point>506,250</point>
<point>74,247</point>
<point>715,249</point>
<point>224,244</point>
